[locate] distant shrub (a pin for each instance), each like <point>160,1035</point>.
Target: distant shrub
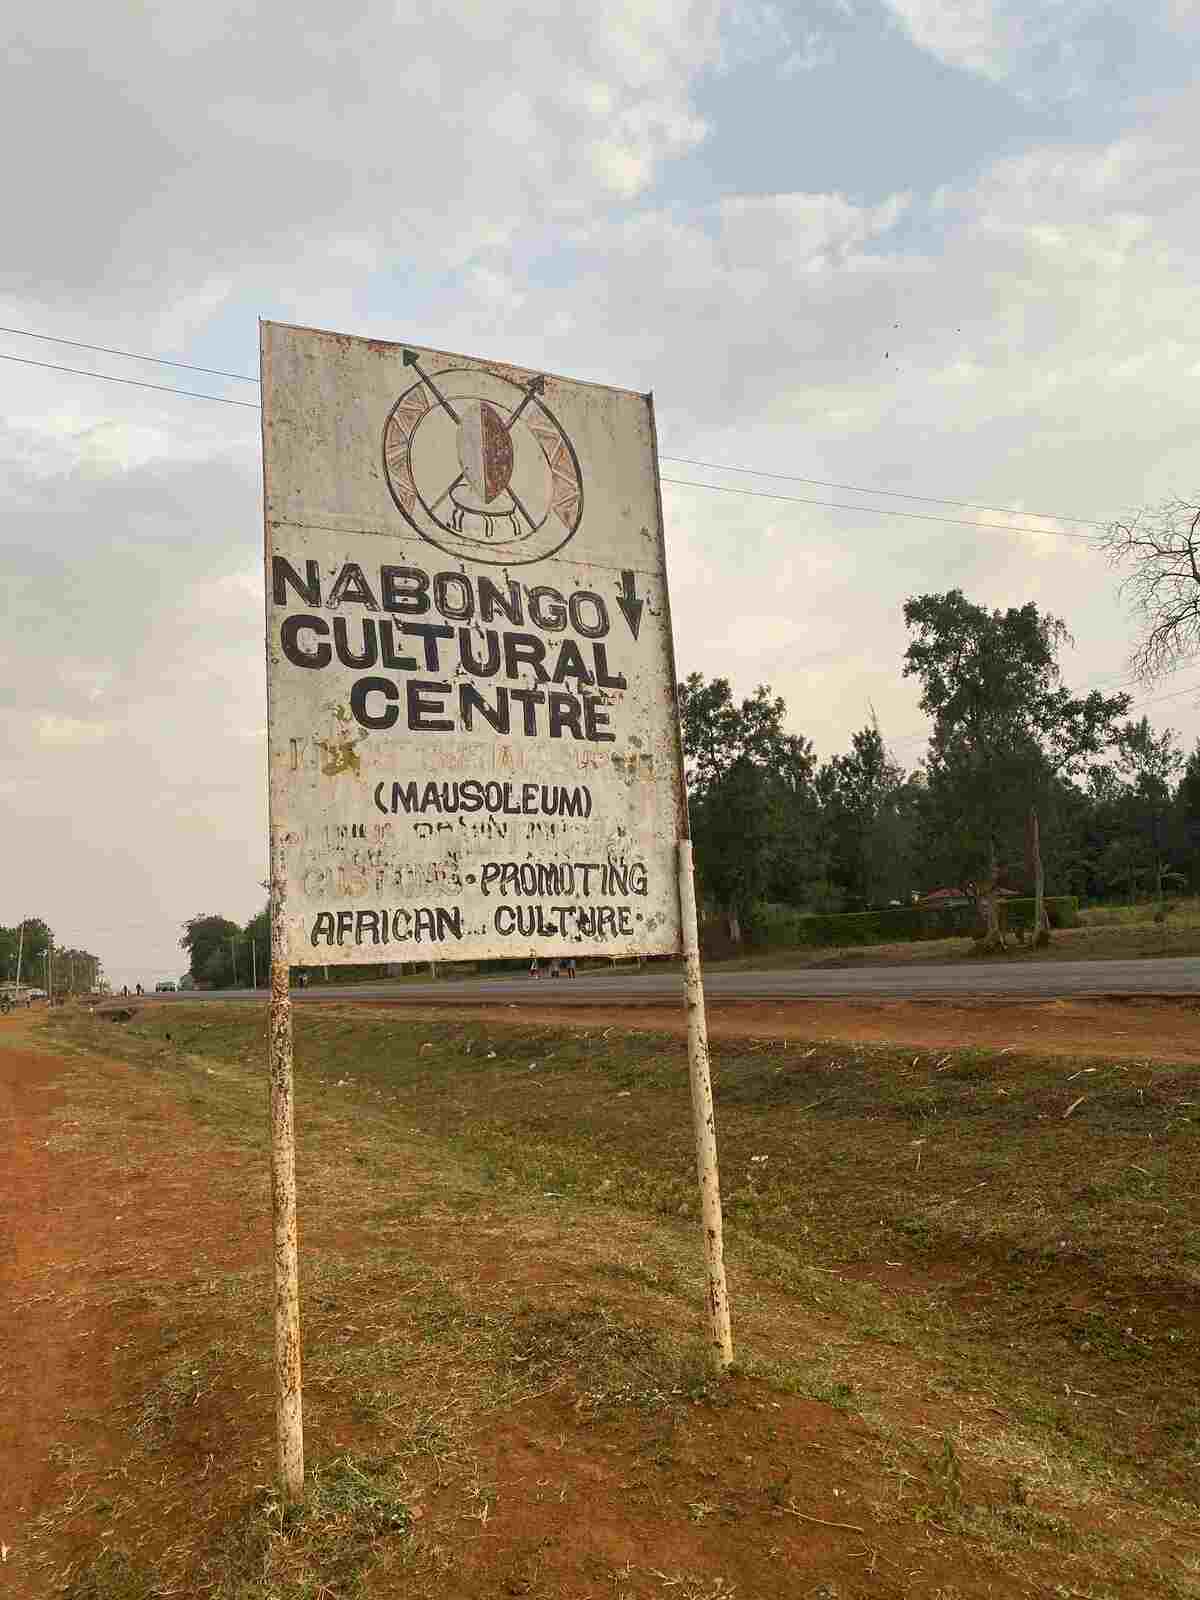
<point>1062,911</point>
<point>780,927</point>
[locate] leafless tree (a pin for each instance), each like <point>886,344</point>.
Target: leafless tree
<point>1160,547</point>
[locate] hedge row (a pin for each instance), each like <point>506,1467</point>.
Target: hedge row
<point>780,927</point>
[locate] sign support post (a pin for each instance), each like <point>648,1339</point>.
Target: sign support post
<point>289,1423</point>
<point>703,1122</point>
<point>704,1126</point>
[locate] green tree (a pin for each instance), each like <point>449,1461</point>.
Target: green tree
<point>799,857</point>
<point>867,811</point>
<point>746,780</point>
<point>1187,813</point>
<point>1006,732</point>
<point>735,830</point>
<point>1149,763</point>
<point>76,971</point>
<point>28,940</point>
<point>256,937</point>
<point>209,941</point>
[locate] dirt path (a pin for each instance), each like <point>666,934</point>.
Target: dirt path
<point>81,1230</point>
<point>1152,1029</point>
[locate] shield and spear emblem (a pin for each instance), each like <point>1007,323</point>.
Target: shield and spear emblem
<point>480,466</point>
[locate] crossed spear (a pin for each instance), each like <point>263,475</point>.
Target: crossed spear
<point>535,386</point>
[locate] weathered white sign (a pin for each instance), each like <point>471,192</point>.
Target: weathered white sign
<point>472,725</point>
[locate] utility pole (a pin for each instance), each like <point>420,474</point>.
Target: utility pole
<point>253,962</point>
<point>20,950</point>
<point>233,958</point>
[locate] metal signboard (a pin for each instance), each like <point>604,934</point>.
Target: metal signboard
<point>472,724</point>
<point>472,733</point>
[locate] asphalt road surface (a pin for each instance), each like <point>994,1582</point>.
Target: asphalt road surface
<point>963,981</point>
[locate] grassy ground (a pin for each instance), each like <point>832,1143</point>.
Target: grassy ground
<point>1105,933</point>
<point>979,1269</point>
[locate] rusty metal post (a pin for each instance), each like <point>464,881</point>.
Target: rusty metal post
<point>704,1126</point>
<point>703,1121</point>
<point>289,1422</point>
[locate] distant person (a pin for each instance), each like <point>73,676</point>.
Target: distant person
<point>570,965</point>
<point>535,970</point>
<point>139,988</point>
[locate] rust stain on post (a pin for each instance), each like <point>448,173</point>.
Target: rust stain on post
<point>289,1426</point>
<point>703,1121</point>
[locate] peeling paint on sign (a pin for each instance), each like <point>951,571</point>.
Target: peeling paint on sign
<point>473,732</point>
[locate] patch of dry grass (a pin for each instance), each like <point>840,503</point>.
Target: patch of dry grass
<point>497,1217</point>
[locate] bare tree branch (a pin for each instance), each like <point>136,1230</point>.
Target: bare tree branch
<point>1160,547</point>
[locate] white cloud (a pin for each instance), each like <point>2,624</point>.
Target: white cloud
<point>981,35</point>
<point>1060,49</point>
<point>207,142</point>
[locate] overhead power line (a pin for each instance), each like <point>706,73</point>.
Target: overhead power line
<point>1192,688</point>
<point>128,355</point>
<point>691,461</point>
<point>897,494</point>
<point>134,383</point>
<point>880,511</point>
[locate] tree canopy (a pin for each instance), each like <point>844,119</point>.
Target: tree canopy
<point>211,942</point>
<point>1007,733</point>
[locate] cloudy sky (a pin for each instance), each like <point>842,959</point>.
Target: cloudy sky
<point>934,247</point>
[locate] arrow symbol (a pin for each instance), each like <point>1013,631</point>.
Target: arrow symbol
<point>629,603</point>
<point>536,386</point>
<point>412,359</point>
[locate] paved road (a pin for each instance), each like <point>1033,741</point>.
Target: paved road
<point>963,981</point>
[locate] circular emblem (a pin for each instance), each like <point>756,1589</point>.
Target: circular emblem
<point>481,467</point>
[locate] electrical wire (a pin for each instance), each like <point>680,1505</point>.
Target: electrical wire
<point>881,511</point>
<point>128,355</point>
<point>1192,688</point>
<point>133,383</point>
<point>898,494</point>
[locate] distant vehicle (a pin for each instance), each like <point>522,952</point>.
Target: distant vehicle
<point>166,987</point>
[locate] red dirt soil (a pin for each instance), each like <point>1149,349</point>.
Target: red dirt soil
<point>72,1225</point>
<point>1148,1028</point>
